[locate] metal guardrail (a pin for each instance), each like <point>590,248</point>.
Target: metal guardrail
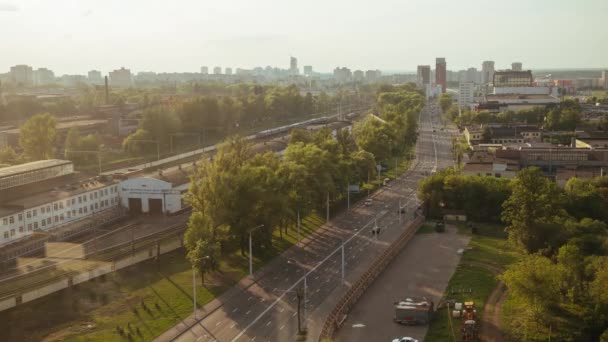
<point>338,315</point>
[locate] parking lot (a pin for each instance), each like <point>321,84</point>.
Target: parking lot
<point>423,268</point>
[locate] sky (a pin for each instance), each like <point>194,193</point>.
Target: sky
<point>74,36</point>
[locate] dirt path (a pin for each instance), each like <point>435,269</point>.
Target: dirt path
<point>489,330</point>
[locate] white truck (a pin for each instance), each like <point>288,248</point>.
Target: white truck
<point>413,310</point>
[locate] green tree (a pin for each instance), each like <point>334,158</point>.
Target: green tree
<point>202,244</point>
<point>8,156</point>
<point>37,136</point>
<point>373,135</point>
<point>534,211</point>
<point>445,102</point>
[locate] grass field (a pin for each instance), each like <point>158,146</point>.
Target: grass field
<point>148,298</point>
<point>474,279</point>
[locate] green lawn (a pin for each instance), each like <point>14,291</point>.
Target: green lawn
<point>472,281</point>
<point>91,311</point>
<point>427,227</point>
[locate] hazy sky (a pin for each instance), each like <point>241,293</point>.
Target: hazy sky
<point>182,35</point>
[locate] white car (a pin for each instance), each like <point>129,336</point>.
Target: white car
<point>405,339</point>
<point>368,202</point>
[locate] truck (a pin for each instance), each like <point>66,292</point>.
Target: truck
<point>413,310</point>
<point>469,330</point>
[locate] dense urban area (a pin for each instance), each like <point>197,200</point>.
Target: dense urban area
<point>291,204</point>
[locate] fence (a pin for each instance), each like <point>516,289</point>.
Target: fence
<point>350,298</point>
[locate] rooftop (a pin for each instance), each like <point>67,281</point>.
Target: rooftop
<point>67,125</point>
<point>503,97</point>
<point>35,165</point>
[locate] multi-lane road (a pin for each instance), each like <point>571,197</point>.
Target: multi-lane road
<point>265,308</point>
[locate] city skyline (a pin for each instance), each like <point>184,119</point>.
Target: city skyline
<point>186,37</point>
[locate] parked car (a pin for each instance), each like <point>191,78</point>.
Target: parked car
<point>405,339</point>
<point>368,202</point>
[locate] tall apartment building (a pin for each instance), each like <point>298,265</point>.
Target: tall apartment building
<point>423,76</point>
<point>293,66</point>
<point>308,70</point>
<point>44,76</point>
<point>204,70</point>
<point>217,70</point>
<point>121,78</point>
<point>228,71</point>
<point>22,75</point>
<point>466,93</point>
<point>441,73</point>
<point>487,72</point>
<point>372,75</point>
<point>516,66</point>
<point>94,77</point>
<point>472,75</point>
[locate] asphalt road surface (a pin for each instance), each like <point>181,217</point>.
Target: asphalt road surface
<point>266,310</point>
<point>423,268</point>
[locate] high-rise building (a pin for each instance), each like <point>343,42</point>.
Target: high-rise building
<point>217,70</point>
<point>22,75</point>
<point>516,66</point>
<point>423,76</point>
<point>121,78</point>
<point>472,75</point>
<point>358,76</point>
<point>466,92</point>
<point>308,70</point>
<point>44,76</point>
<point>372,75</point>
<point>293,66</point>
<point>343,74</point>
<point>204,70</point>
<point>440,73</point>
<point>228,71</point>
<point>605,78</point>
<point>487,72</point>
<point>94,77</point>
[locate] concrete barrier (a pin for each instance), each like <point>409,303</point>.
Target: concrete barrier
<point>170,246</point>
<point>43,291</point>
<point>81,278</point>
<point>8,303</point>
<point>335,319</point>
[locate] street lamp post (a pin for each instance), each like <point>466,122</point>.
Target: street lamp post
<point>194,287</point>
<point>251,250</point>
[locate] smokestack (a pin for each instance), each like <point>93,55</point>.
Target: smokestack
<point>107,90</point>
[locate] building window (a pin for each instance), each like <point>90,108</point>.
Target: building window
<point>28,214</point>
<point>95,194</point>
<point>11,219</point>
<point>56,218</point>
<point>20,216</point>
<point>60,205</point>
<point>61,217</point>
<point>48,221</point>
<point>73,212</point>
<point>55,206</point>
<point>12,232</point>
<point>43,222</point>
<point>79,199</point>
<point>35,225</point>
<point>73,201</point>
<point>91,196</point>
<point>84,209</point>
<point>80,210</point>
<point>6,235</point>
<point>5,221</point>
<point>21,229</point>
<point>69,214</point>
<point>96,205</point>
<point>48,208</point>
<point>92,206</point>
<point>29,227</point>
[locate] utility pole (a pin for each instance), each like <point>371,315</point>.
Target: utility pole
<point>327,219</point>
<point>298,227</point>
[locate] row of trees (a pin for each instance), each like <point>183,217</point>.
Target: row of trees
<point>565,117</point>
<point>205,116</point>
<point>239,190</point>
<point>563,233</point>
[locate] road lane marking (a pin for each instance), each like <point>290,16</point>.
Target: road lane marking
<point>218,323</point>
<point>235,310</point>
<point>247,313</point>
<point>282,326</point>
<point>267,324</point>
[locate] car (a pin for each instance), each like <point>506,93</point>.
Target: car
<point>434,130</point>
<point>368,202</point>
<point>405,339</point>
